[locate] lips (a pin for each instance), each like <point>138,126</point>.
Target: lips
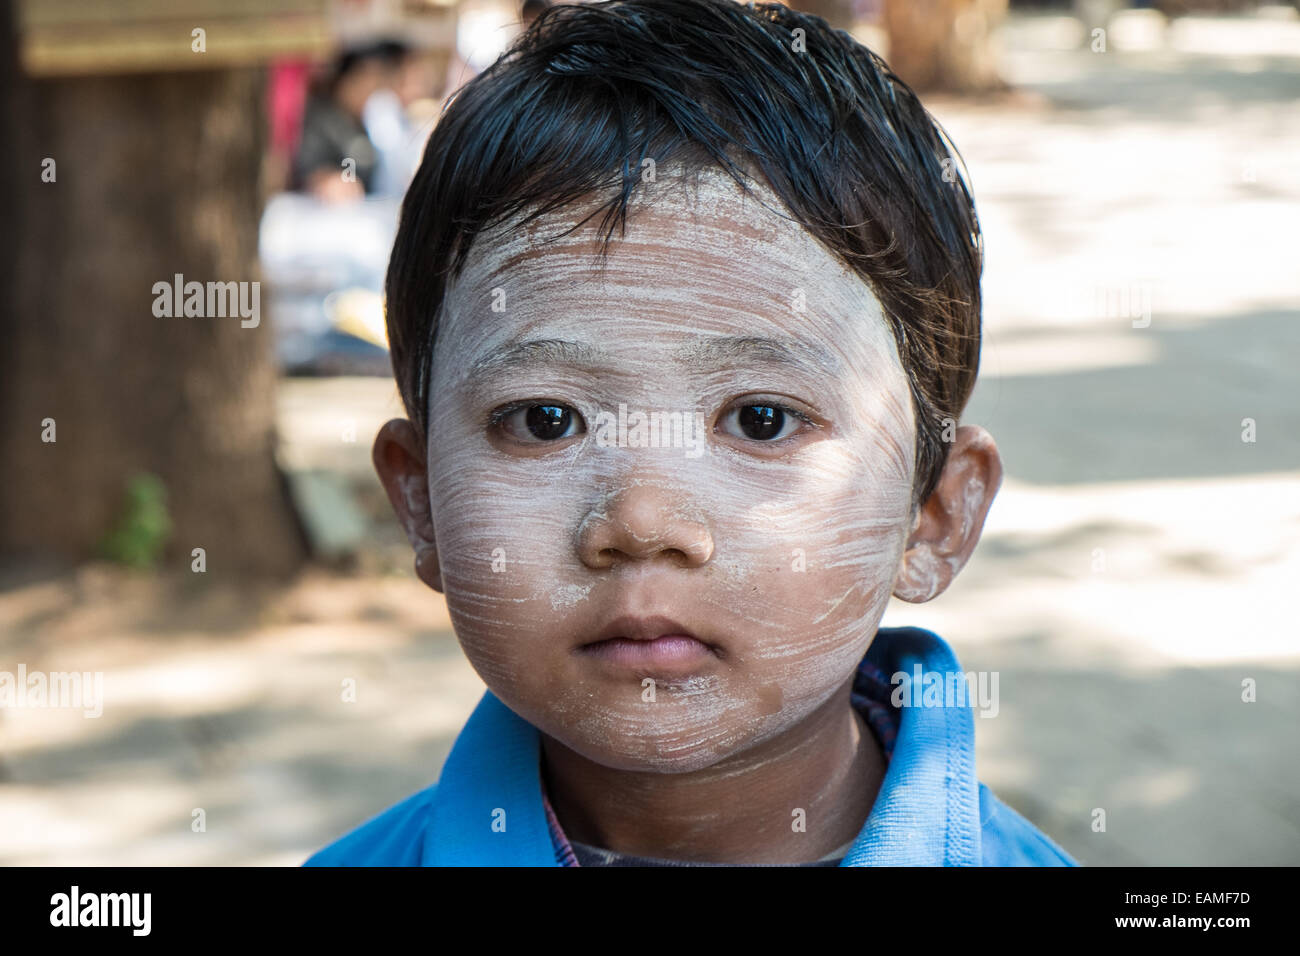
<point>654,644</point>
<point>634,628</point>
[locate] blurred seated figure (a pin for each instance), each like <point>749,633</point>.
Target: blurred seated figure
<point>336,159</point>
<point>323,251</point>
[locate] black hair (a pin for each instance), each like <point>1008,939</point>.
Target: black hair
<point>386,51</point>
<point>576,103</point>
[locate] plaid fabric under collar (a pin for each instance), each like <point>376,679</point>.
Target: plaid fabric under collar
<point>871,693</point>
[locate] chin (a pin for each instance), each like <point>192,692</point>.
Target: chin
<point>647,744</point>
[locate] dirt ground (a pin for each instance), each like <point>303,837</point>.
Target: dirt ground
<point>1142,300</point>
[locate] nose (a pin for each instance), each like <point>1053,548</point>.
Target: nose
<point>640,523</point>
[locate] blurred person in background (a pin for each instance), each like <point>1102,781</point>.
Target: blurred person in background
<point>337,160</point>
<point>322,250</point>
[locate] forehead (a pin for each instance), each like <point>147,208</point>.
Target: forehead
<point>704,274</point>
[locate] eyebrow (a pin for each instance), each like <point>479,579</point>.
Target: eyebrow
<point>514,355</point>
<point>703,353</point>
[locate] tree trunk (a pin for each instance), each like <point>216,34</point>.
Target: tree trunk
<point>154,175</point>
<point>945,44</point>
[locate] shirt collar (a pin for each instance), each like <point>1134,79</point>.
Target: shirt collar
<point>927,811</point>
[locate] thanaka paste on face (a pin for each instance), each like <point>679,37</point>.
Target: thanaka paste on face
<point>784,560</point>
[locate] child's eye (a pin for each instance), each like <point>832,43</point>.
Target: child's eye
<point>763,421</point>
<point>539,422</point>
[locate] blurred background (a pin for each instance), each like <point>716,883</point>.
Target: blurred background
<point>188,507</point>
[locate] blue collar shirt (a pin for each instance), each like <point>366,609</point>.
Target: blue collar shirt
<point>488,808</point>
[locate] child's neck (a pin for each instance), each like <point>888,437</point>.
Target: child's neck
<point>741,810</point>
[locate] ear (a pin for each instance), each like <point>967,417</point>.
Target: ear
<point>399,458</point>
<point>950,520</point>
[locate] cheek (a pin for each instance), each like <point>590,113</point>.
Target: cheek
<point>504,532</point>
<point>829,533</point>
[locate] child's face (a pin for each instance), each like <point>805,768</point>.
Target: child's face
<point>779,553</point>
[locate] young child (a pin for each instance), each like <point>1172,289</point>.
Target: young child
<point>668,480</point>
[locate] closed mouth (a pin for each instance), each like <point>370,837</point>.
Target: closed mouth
<point>650,642</point>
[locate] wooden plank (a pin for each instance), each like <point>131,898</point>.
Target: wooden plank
<point>46,13</point>
<point>62,37</point>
